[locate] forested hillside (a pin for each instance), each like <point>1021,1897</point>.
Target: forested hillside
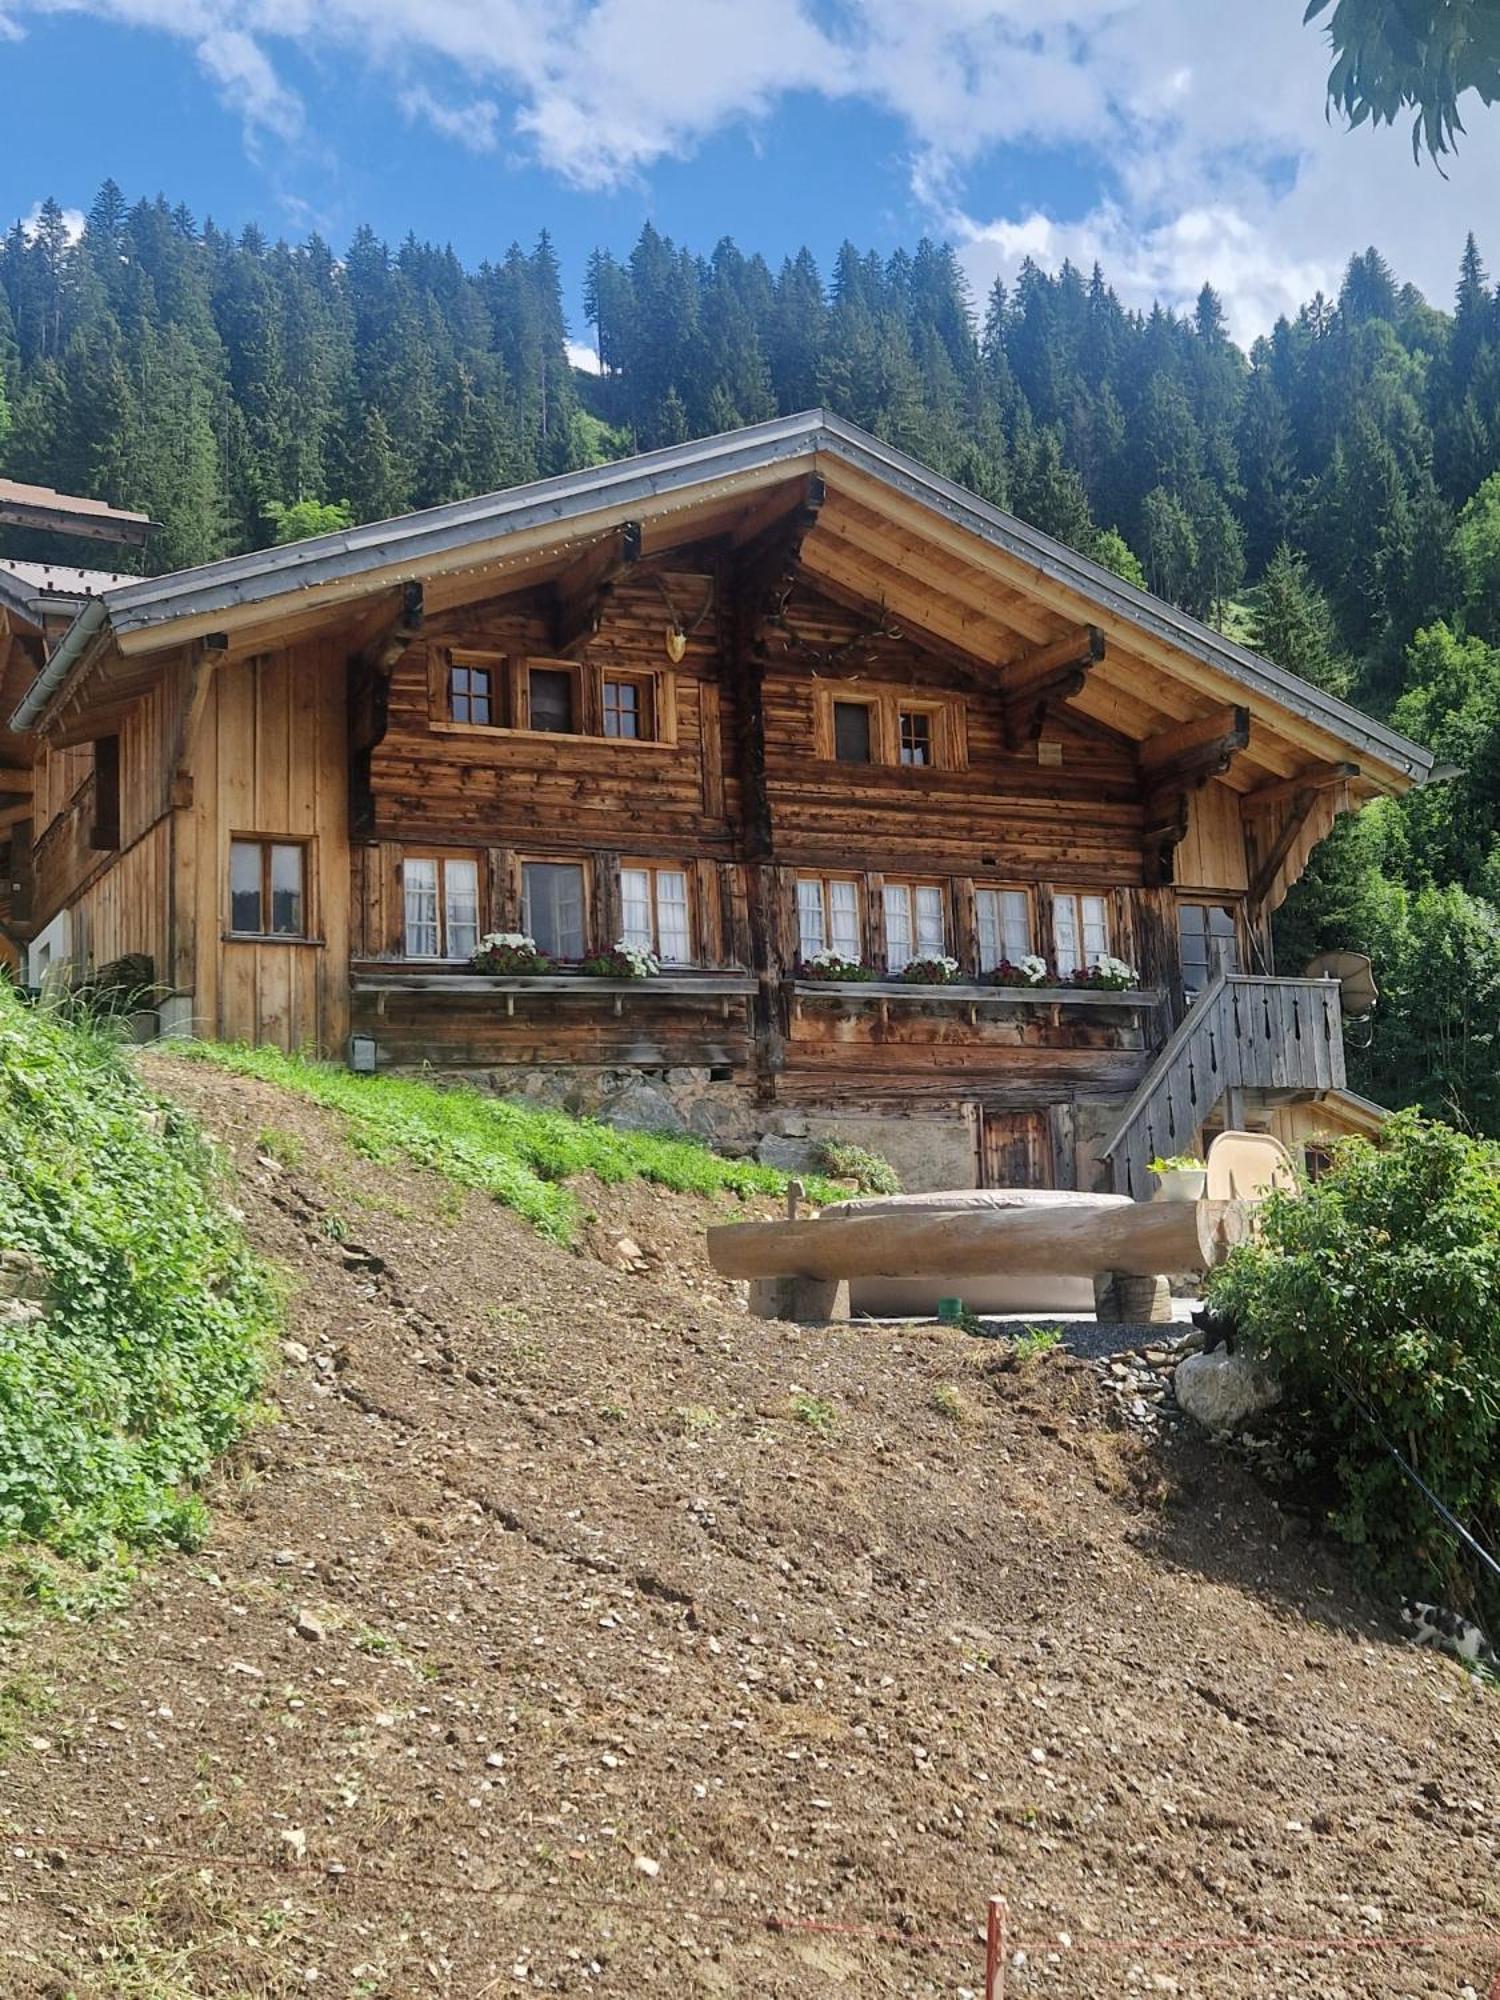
<point>1332,496</point>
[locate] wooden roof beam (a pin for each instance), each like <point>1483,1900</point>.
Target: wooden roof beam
<point>1176,763</point>
<point>586,585</point>
<point>1203,747</point>
<point>1048,674</point>
<point>1315,778</point>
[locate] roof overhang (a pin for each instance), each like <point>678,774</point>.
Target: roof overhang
<point>1008,583</point>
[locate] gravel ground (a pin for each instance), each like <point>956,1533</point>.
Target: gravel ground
<point>565,1629</point>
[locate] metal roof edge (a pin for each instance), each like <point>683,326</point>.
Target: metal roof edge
<point>59,664</point>
<point>412,538</point>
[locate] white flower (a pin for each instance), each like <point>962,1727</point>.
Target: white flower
<point>1034,968</point>
<point>1114,968</point>
<point>507,941</point>
<point>643,964</point>
<point>829,960</point>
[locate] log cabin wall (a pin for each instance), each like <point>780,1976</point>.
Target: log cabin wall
<point>1063,817</point>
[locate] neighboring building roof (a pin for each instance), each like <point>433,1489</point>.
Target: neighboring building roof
<point>36,590</point>
<point>69,514</point>
<point>490,529</point>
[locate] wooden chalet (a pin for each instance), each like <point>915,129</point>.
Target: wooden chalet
<point>738,701</point>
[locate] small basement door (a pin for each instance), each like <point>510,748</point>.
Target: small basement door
<point>1015,1149</point>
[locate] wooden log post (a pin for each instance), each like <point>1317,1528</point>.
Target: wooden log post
<point>1141,1240</point>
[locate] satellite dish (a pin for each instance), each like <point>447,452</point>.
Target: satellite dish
<point>1358,992</point>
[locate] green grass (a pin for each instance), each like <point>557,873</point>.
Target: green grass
<point>147,1356</point>
<point>521,1156</point>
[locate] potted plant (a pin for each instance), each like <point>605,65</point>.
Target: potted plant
<point>831,966</point>
<point>623,961</point>
<point>509,954</point>
<point>1182,1177</point>
<point>930,968</point>
<point>1105,975</point>
<point>1029,971</point>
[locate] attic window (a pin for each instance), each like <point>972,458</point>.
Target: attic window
<point>471,695</point>
<point>551,700</point>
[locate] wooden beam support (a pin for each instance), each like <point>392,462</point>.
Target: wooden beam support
<point>1031,685</point>
<point>1176,763</point>
<point>369,696</point>
<point>1267,870</point>
<point>1207,743</point>
<point>17,783</point>
<point>585,587</point>
<point>1316,778</point>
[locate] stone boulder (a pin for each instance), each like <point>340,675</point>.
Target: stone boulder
<point>1223,1392</point>
<point>642,1107</point>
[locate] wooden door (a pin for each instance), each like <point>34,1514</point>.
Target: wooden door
<point>1015,1149</point>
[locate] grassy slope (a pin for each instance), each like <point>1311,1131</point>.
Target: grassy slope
<point>519,1155</point>
<point>148,1355</point>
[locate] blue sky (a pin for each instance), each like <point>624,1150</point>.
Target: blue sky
<point>1157,135</point>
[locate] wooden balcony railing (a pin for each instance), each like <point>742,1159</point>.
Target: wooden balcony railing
<point>1241,1033</point>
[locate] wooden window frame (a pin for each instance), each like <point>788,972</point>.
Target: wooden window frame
<point>586,873</point>
<point>266,842</point>
<point>441,662</point>
<point>644,683</point>
<point>510,697</point>
<point>1076,897</point>
<point>441,861</point>
<point>948,733</point>
<point>1205,899</point>
<point>493,697</point>
<point>653,869</point>
<point>520,711</point>
<point>982,888</point>
<point>911,884</point>
<point>861,909</point>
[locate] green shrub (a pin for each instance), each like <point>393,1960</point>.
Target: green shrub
<point>514,1152</point>
<point>845,1162</point>
<point>1379,1285</point>
<point>147,1357</point>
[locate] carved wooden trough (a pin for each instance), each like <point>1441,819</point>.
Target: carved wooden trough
<point>797,1268</point>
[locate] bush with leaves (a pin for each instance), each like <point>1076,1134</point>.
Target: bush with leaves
<point>147,1354</point>
<point>1375,1294</point>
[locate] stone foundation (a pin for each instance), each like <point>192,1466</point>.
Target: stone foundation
<point>931,1150</point>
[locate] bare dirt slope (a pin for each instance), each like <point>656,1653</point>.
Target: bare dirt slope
<point>565,1626</point>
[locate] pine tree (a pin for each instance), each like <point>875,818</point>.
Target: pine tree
<point>1291,622</point>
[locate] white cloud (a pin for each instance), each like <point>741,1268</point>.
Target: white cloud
<point>1203,124</point>
<point>473,126</point>
<point>74,221</point>
<point>583,356</point>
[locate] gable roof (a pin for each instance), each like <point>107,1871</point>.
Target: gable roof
<point>995,584</point>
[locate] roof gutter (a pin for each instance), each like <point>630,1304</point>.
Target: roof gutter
<point>70,648</point>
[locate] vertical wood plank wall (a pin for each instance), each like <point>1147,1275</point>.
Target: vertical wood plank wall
<point>269,760</point>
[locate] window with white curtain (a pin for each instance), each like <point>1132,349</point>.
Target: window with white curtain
<point>1004,923</point>
<point>1080,931</point>
<point>441,896</point>
<point>828,916</point>
<point>655,913</point>
<point>914,925</point>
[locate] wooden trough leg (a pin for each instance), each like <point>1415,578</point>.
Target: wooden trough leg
<point>1121,1300</point>
<point>810,1301</point>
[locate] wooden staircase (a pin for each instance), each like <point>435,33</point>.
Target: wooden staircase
<point>1243,1032</point>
